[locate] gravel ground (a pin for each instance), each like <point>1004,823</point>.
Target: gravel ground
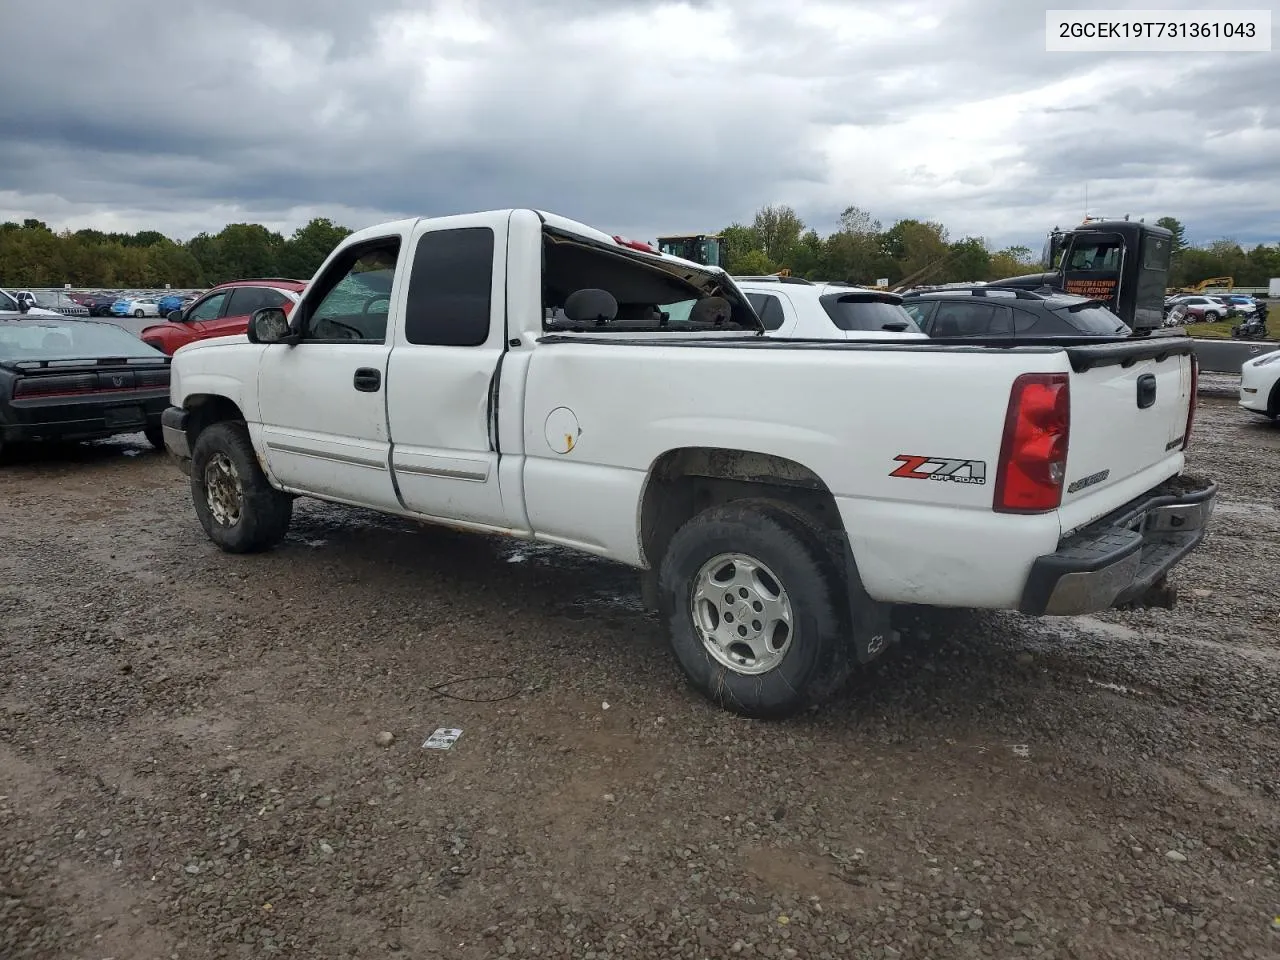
<point>211,756</point>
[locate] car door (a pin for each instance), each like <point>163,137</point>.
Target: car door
<point>921,312</point>
<point>965,318</point>
<point>322,401</point>
<point>241,306</point>
<point>442,379</point>
<point>205,311</point>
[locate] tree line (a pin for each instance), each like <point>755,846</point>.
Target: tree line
<point>32,255</point>
<point>860,251</point>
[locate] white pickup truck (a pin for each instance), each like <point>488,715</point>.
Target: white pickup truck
<point>515,372</point>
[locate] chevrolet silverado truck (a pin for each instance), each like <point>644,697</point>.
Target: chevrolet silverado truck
<point>518,373</point>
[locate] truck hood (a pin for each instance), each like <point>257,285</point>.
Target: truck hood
<point>211,343</point>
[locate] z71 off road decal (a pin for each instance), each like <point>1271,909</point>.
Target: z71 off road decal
<point>915,467</point>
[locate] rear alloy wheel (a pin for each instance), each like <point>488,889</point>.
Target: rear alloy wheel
<point>236,504</point>
<point>753,606</point>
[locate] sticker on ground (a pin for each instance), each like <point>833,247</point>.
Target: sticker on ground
<point>442,739</point>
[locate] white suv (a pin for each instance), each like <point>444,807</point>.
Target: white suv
<point>796,309</point>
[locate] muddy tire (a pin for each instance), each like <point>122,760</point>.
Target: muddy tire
<point>236,504</point>
<point>155,436</point>
<point>754,608</point>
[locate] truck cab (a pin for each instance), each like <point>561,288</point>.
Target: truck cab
<point>1122,263</point>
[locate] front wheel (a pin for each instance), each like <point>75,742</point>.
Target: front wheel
<point>752,603</point>
<point>236,504</point>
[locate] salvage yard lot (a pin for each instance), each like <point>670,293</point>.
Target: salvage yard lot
<point>190,764</point>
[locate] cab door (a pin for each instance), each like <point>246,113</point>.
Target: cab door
<point>1093,266</point>
<point>442,392</point>
<point>323,400</point>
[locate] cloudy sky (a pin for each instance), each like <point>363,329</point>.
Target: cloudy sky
<point>637,116</point>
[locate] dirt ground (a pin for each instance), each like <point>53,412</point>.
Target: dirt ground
<point>191,766</point>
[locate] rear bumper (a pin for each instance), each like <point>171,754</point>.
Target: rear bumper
<point>1121,557</point>
<point>1255,387</point>
<point>173,423</point>
<point>66,418</point>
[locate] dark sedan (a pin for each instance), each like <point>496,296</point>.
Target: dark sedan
<point>78,380</point>
<point>1005,314</point>
<point>98,304</point>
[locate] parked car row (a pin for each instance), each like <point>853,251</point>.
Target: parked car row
<point>119,303</point>
<point>792,308</point>
<point>1209,308</point>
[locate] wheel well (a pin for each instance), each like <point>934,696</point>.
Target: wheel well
<point>206,409</point>
<point>684,482</point>
<point>1273,402</point>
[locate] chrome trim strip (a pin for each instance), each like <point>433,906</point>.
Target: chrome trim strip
<point>476,476</point>
<point>331,457</point>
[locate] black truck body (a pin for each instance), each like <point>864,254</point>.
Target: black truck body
<point>1123,263</point>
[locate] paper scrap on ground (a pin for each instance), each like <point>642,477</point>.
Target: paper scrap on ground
<point>442,739</point>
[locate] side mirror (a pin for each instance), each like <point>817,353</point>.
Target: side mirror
<point>24,306</point>
<point>268,325</point>
<point>174,316</point>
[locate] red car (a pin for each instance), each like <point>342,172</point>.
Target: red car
<point>223,311</point>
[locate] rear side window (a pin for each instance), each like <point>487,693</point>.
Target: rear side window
<point>862,312</point>
<point>1095,320</point>
<point>768,308</point>
<point>919,310</point>
<point>961,319</point>
<point>245,300</point>
<point>1155,253</point>
<point>1028,324</point>
<point>450,288</point>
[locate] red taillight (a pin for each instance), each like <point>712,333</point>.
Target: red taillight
<point>634,244</point>
<point>1191,405</point>
<point>1033,452</point>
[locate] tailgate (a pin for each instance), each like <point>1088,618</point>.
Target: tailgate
<point>1129,405</point>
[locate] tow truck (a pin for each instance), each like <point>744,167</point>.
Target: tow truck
<point>1120,262</point>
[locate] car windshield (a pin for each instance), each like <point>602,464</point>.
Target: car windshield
<point>864,312</point>
<point>24,340</point>
<point>1095,319</point>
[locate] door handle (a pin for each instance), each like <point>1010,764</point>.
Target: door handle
<point>367,380</point>
<point>1146,390</point>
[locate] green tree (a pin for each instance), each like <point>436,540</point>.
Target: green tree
<point>739,240</point>
<point>302,254</point>
<point>809,257</point>
<point>778,229</point>
<point>917,246</point>
<point>1010,262</point>
<point>968,260</point>
<point>754,263</point>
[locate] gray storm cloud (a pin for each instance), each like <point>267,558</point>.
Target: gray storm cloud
<point>636,116</point>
